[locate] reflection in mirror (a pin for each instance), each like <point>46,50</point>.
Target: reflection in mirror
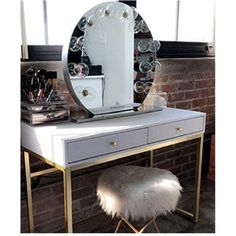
<point>110,61</point>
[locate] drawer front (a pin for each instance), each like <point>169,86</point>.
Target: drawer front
<point>175,129</point>
<point>90,148</point>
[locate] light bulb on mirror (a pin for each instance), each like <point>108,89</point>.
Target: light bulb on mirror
<point>82,24</point>
<point>73,44</point>
<point>100,12</point>
<point>81,70</point>
<point>136,27</point>
<point>127,14</point>
<point>77,44</point>
<point>71,67</point>
<point>139,87</point>
<point>143,45</point>
<point>145,66</point>
<point>93,21</point>
<point>113,11</point>
<point>135,13</point>
<point>143,27</point>
<point>154,45</point>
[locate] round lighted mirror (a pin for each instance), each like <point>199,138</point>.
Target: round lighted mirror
<point>111,53</point>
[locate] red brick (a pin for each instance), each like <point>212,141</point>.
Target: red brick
<point>163,78</point>
<point>166,164</point>
<point>182,176</point>
<point>181,160</point>
<point>174,153</point>
<point>84,192</point>
<point>51,203</point>
<point>41,193</point>
<point>176,170</point>
<point>193,157</point>
<point>199,102</point>
<point>24,209</point>
<point>200,75</point>
<point>201,84</point>
<point>176,77</point>
<point>192,94</point>
<point>211,100</point>
<point>212,82</point>
<point>159,158</point>
<point>57,189</point>
<point>196,109</point>
<point>186,85</point>
<point>189,149</point>
<point>210,127</point>
<point>189,166</point>
<point>51,226</point>
<point>58,212</point>
<point>41,218</point>
<point>205,92</point>
<point>167,88</point>
<point>208,109</point>
<point>191,174</point>
<point>184,105</point>
<point>211,91</point>
<point>88,201</point>
<point>211,118</point>
<point>171,104</point>
<point>173,97</point>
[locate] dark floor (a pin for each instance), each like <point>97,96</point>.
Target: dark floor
<point>171,223</point>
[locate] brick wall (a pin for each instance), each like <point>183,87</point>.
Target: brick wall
<point>190,84</point>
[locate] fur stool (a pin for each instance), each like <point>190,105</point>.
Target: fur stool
<point>134,193</point>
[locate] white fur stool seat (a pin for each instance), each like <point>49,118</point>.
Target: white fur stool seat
<point>135,192</point>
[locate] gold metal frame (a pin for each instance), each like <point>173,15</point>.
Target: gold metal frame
<point>135,230</point>
<point>67,175</point>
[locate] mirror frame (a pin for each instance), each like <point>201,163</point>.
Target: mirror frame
<point>87,113</point>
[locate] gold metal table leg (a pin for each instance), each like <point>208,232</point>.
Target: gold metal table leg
<point>198,179</point>
<point>29,191</point>
<point>68,200</point>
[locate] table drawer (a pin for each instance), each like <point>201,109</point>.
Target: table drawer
<point>79,150</point>
<point>175,129</point>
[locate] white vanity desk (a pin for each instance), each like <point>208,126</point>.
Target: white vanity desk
<point>70,146</point>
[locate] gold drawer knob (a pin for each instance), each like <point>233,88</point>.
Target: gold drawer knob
<point>179,129</point>
<point>113,143</point>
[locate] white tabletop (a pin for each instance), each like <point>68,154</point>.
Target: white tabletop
<point>47,140</point>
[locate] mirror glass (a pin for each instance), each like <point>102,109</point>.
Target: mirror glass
<point>110,61</point>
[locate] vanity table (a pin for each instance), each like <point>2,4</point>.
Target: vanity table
<point>112,79</point>
<point>70,146</point>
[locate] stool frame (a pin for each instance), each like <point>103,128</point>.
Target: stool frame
<point>135,230</point>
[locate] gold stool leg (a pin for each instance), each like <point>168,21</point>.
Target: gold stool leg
<point>155,225</point>
<point>118,225</point>
<point>29,191</point>
<point>130,225</point>
<point>148,223</point>
<point>145,226</point>
<point>142,229</point>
